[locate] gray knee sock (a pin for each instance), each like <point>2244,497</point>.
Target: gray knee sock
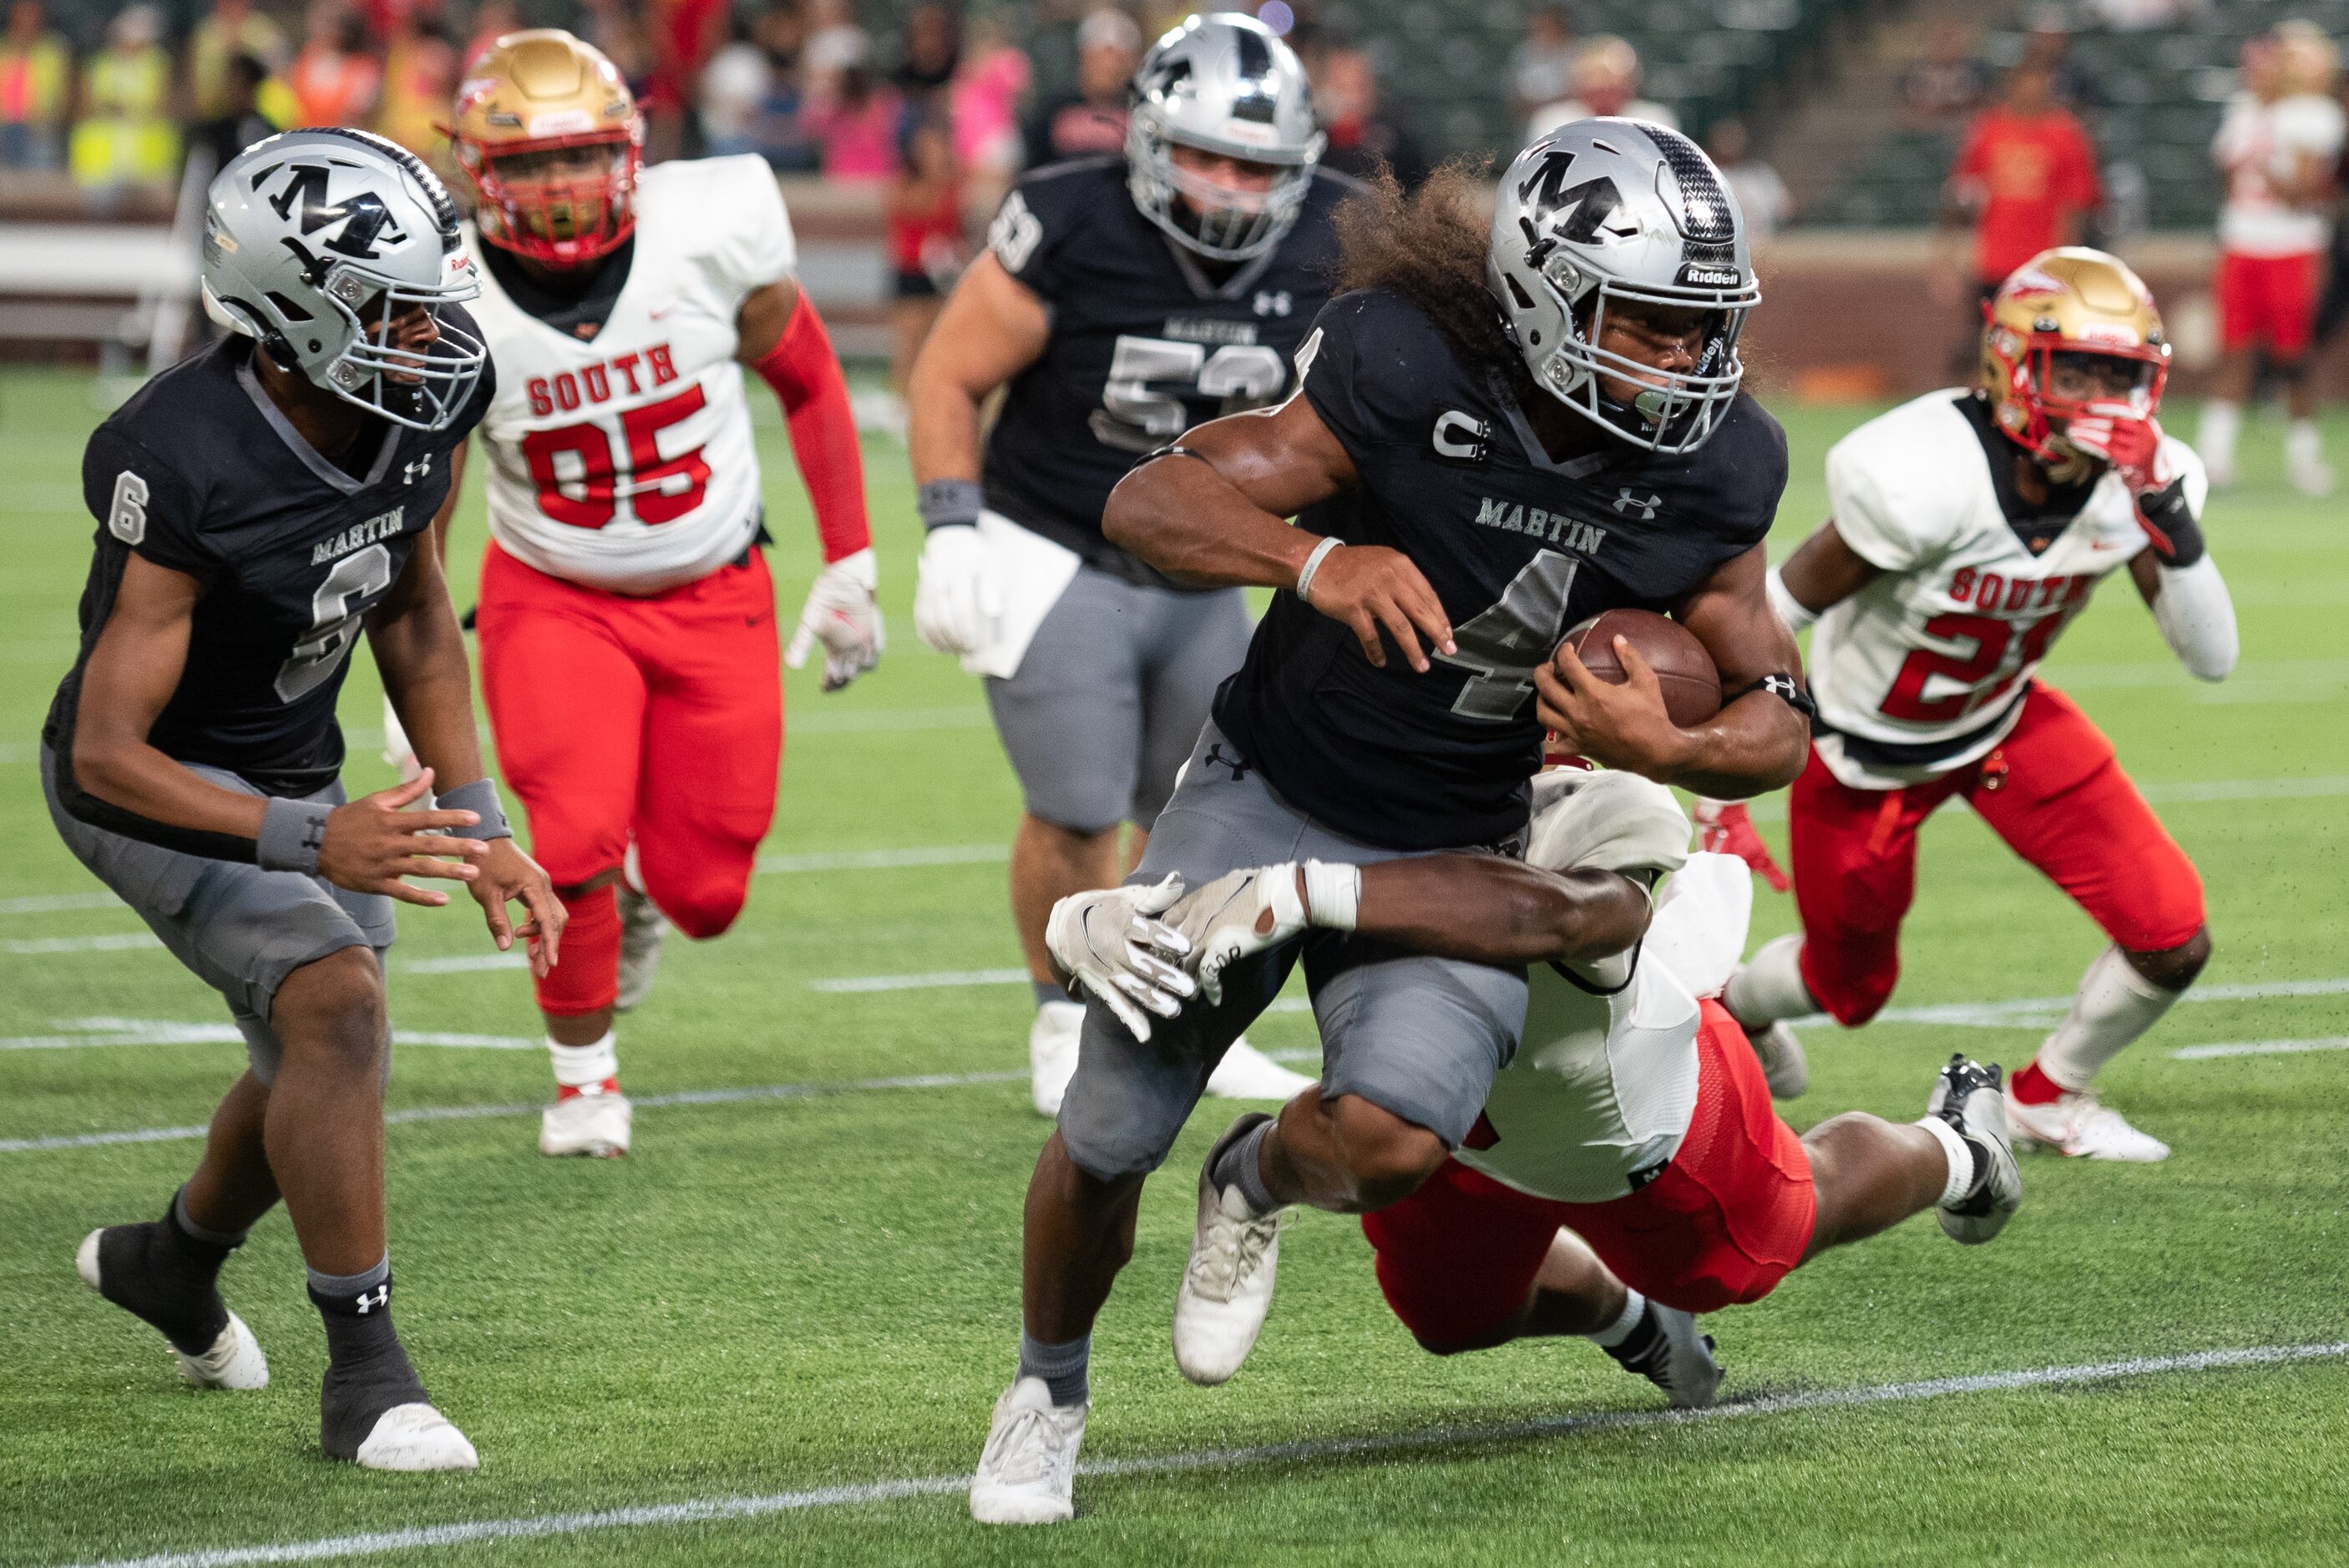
<point>1048,991</point>
<point>1241,1165</point>
<point>1063,1367</point>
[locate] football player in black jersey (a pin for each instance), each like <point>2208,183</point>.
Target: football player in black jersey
<point>1121,300</point>
<point>1499,435</point>
<point>260,505</point>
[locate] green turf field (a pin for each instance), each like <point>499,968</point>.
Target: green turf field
<point>776,1329</point>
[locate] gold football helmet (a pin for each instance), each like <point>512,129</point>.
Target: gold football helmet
<point>2063,310</point>
<point>548,137</point>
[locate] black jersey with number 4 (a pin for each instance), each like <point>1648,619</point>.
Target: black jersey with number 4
<point>1144,343</point>
<point>1518,548</point>
<point>202,473</point>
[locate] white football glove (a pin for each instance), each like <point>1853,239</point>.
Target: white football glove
<point>955,596</point>
<point>1109,943</point>
<point>841,614</point>
<point>1238,915</point>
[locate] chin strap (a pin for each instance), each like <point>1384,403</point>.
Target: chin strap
<point>805,373</point>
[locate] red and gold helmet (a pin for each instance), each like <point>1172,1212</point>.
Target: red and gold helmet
<point>2068,301</point>
<point>548,137</point>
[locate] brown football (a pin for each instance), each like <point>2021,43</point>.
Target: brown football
<point>1692,686</point>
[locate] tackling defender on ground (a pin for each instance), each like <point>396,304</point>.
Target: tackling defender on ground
<point>261,503</point>
<point>626,618</point>
<point>1969,529</point>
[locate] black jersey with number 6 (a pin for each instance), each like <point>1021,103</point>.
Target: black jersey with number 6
<point>1518,548</point>
<point>1143,344</point>
<point>202,473</point>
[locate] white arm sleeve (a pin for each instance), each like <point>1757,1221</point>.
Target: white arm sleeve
<point>1791,610</point>
<point>2197,618</point>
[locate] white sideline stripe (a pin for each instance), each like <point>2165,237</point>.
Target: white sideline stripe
<point>2262,1048</point>
<point>2045,1012</point>
<point>476,1112</point>
<point>851,984</point>
<point>58,903</point>
<point>109,1031</point>
<point>463,964</point>
<point>889,860</point>
<point>716,1509</point>
<point>111,942</point>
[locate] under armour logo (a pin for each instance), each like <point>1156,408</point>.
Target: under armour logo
<point>417,469</point>
<point>1239,765</point>
<point>1272,302</point>
<point>1647,504</point>
<point>369,1301</point>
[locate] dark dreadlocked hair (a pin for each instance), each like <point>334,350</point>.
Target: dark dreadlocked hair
<point>1430,248</point>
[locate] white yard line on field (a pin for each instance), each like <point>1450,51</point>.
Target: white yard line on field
<point>107,942</point>
<point>58,902</point>
<point>721,1510</point>
<point>76,1034</point>
<point>2262,1048</point>
<point>850,983</point>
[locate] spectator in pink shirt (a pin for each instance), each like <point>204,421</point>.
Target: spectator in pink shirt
<point>857,120</point>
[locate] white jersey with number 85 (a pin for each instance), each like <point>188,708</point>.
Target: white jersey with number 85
<point>625,460</point>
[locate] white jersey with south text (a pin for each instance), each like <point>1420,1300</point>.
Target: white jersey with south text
<point>2259,145</point>
<point>1603,1087</point>
<point>625,461</point>
<point>1924,669</point>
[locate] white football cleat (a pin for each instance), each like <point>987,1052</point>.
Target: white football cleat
<point>2310,475</point>
<point>234,1360</point>
<point>1246,1073</point>
<point>594,1123</point>
<point>417,1437</point>
<point>1227,1284</point>
<point>1052,1053</point>
<point>1027,1472</point>
<point>1784,1068</point>
<point>642,928</point>
<point>1966,1094</point>
<point>2081,1126</point>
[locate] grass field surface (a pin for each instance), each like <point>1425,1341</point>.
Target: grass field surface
<point>774,1332</point>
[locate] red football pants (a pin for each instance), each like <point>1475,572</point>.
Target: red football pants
<point>1722,1223</point>
<point>2052,790</point>
<point>655,720</point>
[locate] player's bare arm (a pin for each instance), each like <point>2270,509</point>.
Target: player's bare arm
<point>420,650</point>
<point>1489,910</point>
<point>993,326</point>
<point>369,844</point>
<point>1215,513</point>
<point>1758,741</point>
<point>1825,571</point>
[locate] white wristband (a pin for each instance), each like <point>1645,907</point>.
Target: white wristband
<point>1333,894</point>
<point>1312,564</point>
<point>1792,611</point>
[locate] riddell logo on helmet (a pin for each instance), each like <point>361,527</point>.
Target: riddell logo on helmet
<point>1702,274</point>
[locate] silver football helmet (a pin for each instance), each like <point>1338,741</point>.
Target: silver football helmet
<point>1606,211</point>
<point>1223,83</point>
<point>315,242</point>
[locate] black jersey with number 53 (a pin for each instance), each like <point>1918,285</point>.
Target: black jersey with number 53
<point>201,472</point>
<point>1143,345</point>
<point>1518,548</point>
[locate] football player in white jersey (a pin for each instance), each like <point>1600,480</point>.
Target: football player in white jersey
<point>626,619</point>
<point>1628,1171</point>
<point>1969,528</point>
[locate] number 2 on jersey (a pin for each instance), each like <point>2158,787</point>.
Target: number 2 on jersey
<point>1991,637</point>
<point>356,582</point>
<point>585,492</point>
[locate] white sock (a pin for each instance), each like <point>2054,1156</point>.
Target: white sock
<point>1961,1180</point>
<point>2303,443</point>
<point>1615,1332</point>
<point>2115,1005</point>
<point>1770,986</point>
<point>585,1066</point>
<point>2215,438</point>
